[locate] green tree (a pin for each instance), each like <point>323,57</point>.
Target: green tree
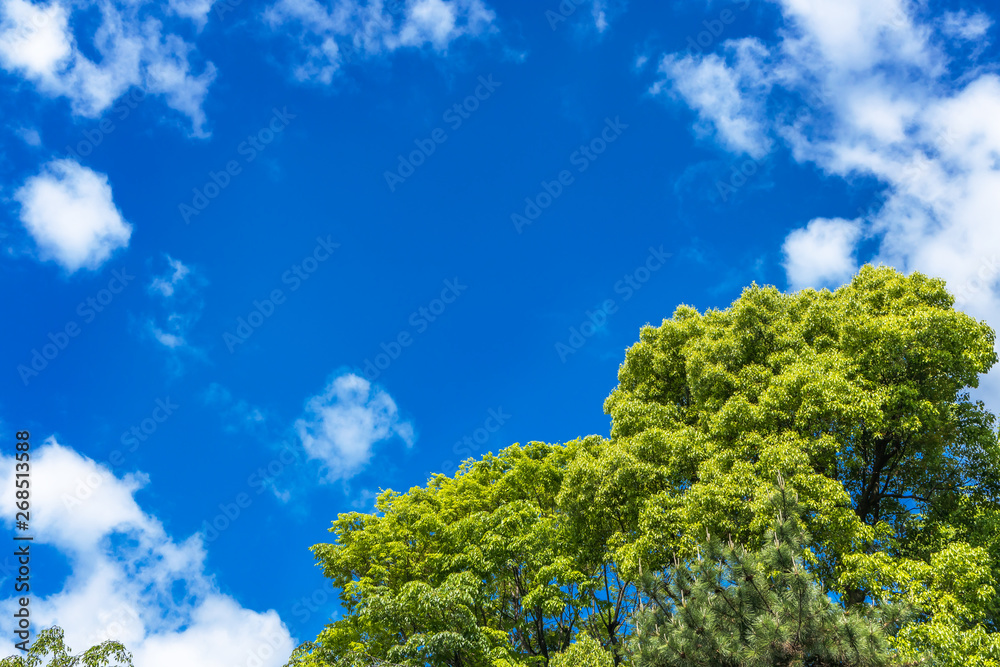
<point>49,645</point>
<point>857,397</point>
<point>730,607</point>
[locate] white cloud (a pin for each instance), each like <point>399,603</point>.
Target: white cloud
<point>962,25</point>
<point>429,22</point>
<point>69,211</point>
<point>34,38</point>
<point>329,34</point>
<point>822,254</point>
<point>853,36</point>
<point>341,425</point>
<point>874,91</point>
<point>129,580</point>
<point>38,42</point>
<point>728,98</point>
<point>194,10</point>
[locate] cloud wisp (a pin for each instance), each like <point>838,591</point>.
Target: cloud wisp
<point>328,35</point>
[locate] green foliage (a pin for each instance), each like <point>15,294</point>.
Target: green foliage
<point>49,644</point>
<point>494,567</point>
<point>585,652</point>
<point>732,607</point>
<point>972,524</point>
<point>952,593</point>
<point>857,397</point>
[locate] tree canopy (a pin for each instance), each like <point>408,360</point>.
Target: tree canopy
<point>858,398</point>
<point>482,569</point>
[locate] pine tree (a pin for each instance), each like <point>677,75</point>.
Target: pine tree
<point>730,607</point>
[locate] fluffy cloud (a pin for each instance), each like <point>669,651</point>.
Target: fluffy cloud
<point>34,39</point>
<point>39,43</point>
<point>822,254</point>
<point>343,423</point>
<point>329,34</point>
<point>878,92</point>
<point>69,212</point>
<point>129,579</point>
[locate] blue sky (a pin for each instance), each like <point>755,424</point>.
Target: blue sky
<point>261,260</point>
